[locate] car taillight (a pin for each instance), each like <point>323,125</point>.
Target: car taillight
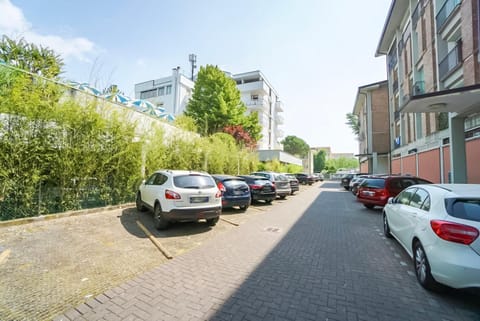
<point>171,195</point>
<point>256,186</point>
<point>221,187</point>
<point>454,232</point>
<point>218,194</point>
<point>382,192</point>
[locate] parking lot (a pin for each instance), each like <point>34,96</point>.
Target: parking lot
<point>318,255</point>
<point>49,266</point>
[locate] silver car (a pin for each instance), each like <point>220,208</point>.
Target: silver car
<point>281,182</point>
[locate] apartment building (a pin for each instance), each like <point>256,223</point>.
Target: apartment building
<point>432,57</point>
<point>173,93</point>
<point>259,96</point>
<point>371,108</point>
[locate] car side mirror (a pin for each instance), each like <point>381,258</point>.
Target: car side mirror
<point>391,200</point>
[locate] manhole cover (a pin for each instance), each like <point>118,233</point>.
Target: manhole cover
<point>272,229</point>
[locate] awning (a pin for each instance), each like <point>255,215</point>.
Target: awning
<point>464,101</point>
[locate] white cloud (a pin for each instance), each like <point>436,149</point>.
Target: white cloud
<point>14,24</point>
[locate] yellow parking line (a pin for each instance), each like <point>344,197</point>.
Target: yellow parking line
<point>155,242</point>
<point>4,255</point>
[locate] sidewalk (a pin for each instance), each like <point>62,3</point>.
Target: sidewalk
<point>194,286</point>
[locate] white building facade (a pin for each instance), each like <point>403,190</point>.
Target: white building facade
<point>259,96</point>
<point>173,93</point>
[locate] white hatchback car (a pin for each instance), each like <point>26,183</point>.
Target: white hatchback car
<point>438,225</point>
<point>180,196</point>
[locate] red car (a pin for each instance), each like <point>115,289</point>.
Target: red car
<point>376,190</point>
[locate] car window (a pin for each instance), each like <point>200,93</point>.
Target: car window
<point>468,209</point>
<point>374,183</point>
<point>193,181</point>
<point>160,179</point>
<point>426,204</point>
<point>260,181</point>
<point>405,196</point>
<point>281,177</point>
<point>151,179</point>
<point>406,182</point>
<point>233,182</point>
<point>422,181</point>
<point>419,198</point>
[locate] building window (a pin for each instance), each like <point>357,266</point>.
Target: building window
<point>254,97</point>
<point>161,91</point>
<point>168,90</point>
<point>148,93</point>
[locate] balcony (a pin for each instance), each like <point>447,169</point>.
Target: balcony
<point>445,12</point>
<point>279,106</point>
<point>419,88</point>
<point>451,61</point>
<point>395,86</point>
<point>256,104</point>
<point>396,115</point>
<point>279,119</point>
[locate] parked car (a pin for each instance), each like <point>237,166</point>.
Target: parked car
<point>261,188</point>
<point>345,180</point>
<point>281,182</point>
<point>235,191</point>
<point>375,190</point>
<point>438,226</point>
<point>305,178</point>
<point>175,195</point>
<point>355,182</point>
<point>294,184</point>
<point>320,176</point>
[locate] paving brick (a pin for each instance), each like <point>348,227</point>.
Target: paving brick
<point>329,260</point>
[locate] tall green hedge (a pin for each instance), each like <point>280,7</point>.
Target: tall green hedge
<point>57,155</point>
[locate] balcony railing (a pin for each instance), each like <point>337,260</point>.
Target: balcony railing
<point>451,61</point>
<point>447,9</point>
<point>396,115</point>
<point>419,88</point>
<point>395,86</point>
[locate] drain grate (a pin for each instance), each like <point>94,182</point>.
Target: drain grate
<point>272,229</point>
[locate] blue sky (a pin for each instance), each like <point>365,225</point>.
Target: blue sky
<point>315,53</point>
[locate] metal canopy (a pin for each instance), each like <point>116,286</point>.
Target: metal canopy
<point>463,101</point>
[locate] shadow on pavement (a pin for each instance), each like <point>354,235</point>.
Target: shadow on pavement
<point>130,217</point>
<point>333,265</point>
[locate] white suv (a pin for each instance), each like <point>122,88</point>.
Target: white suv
<point>180,196</point>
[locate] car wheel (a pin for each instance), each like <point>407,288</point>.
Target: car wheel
<point>268,201</point>
<point>422,268</point>
<point>346,188</point>
<point>386,228</point>
<point>139,203</point>
<point>369,206</point>
<point>158,219</point>
<point>212,221</point>
<point>243,207</point>
<point>282,197</point>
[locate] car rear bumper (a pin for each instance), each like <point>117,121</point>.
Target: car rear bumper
<point>377,202</point>
<point>264,197</point>
<point>236,201</point>
<point>454,265</point>
<point>192,214</point>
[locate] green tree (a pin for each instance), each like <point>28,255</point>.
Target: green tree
<point>353,122</point>
<point>216,103</point>
<point>295,146</point>
<point>319,161</point>
<point>30,57</point>
<point>186,123</point>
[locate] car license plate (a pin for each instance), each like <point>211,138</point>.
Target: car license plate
<point>202,199</point>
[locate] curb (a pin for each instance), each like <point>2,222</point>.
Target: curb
<point>28,220</point>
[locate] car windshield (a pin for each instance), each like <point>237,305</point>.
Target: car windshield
<point>374,183</point>
<point>468,209</point>
<point>194,181</point>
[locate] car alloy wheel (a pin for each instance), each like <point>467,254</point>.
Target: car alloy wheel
<point>422,268</point>
<point>158,219</point>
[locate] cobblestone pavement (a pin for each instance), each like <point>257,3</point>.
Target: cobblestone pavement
<point>49,266</point>
<point>319,256</point>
